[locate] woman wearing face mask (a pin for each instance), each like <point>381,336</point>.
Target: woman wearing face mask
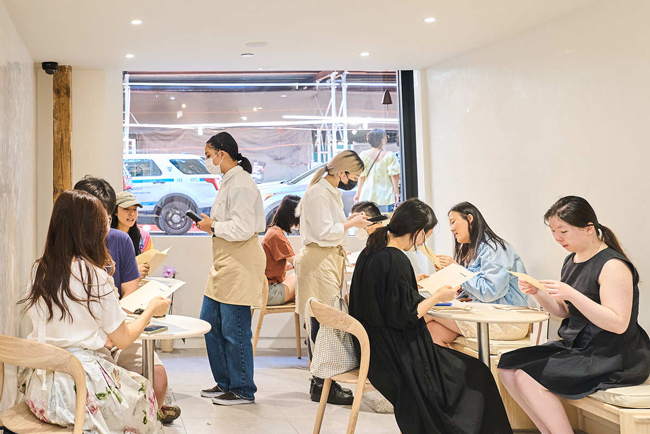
<point>482,251</point>
<point>279,253</point>
<point>602,344</point>
<point>320,264</point>
<point>237,275</point>
<point>433,389</point>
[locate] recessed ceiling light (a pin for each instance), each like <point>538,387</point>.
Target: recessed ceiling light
<point>183,105</point>
<point>430,20</point>
<point>136,22</point>
<point>364,54</point>
<point>260,69</point>
<point>246,54</point>
<point>283,96</point>
<point>243,118</point>
<point>257,44</point>
<point>172,98</point>
<point>129,56</point>
<point>260,108</point>
<point>254,109</point>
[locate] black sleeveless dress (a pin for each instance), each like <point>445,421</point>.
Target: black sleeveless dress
<point>588,358</point>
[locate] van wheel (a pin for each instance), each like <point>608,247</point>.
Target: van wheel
<point>173,219</point>
<point>269,217</point>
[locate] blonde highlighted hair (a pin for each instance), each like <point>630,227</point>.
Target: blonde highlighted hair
<point>345,161</point>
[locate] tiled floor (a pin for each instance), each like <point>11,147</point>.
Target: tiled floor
<point>282,401</point>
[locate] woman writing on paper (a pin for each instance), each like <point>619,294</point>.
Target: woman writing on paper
<point>73,305</point>
<point>602,344</point>
<point>320,264</point>
<point>434,390</point>
<point>124,219</point>
<point>237,276</point>
<point>480,250</point>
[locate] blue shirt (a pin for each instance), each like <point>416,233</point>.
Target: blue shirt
<point>122,251</point>
<point>494,284</point>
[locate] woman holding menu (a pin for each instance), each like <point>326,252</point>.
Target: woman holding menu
<point>237,276</point>
<point>434,390</point>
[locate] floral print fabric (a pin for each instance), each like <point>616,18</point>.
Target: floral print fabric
<point>118,401</point>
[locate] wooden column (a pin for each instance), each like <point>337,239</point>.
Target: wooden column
<point>62,113</point>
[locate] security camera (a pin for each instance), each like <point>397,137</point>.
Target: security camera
<point>50,67</point>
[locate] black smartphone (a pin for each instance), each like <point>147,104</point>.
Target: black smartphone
<point>191,214</point>
<point>379,218</point>
<point>155,329</point>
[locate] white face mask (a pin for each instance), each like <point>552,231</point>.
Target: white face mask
<point>361,234</point>
<point>413,249</point>
<point>211,167</point>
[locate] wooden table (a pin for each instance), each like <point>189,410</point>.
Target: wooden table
<point>179,327</point>
<point>483,314</point>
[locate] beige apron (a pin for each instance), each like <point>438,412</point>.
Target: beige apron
<point>320,273</point>
<point>237,273</point>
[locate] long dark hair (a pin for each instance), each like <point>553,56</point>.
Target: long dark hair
<point>223,141</point>
<point>479,230</point>
<point>577,212</point>
<point>133,232</point>
<point>78,228</point>
<point>100,188</point>
<point>285,215</point>
<point>411,217</point>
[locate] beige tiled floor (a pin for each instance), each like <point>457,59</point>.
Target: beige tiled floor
<point>282,401</point>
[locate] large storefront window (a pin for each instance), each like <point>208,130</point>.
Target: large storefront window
<point>286,123</point>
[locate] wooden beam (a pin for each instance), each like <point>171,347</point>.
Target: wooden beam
<point>62,112</point>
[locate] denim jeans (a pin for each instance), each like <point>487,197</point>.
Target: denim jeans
<point>230,350</point>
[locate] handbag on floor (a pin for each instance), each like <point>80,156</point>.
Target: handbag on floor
<point>333,351</point>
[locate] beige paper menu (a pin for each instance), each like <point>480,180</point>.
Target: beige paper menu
<point>153,257</point>
<point>431,256</point>
<point>140,298</point>
<point>526,278</point>
<point>453,275</point>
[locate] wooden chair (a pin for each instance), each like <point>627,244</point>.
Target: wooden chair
<point>30,354</point>
<point>328,316</point>
<point>266,310</point>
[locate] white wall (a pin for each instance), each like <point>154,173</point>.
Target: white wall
<point>17,182</point>
<point>561,109</point>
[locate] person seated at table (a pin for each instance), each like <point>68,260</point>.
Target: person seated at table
<point>433,389</point>
<point>126,277</point>
<point>602,345</point>
<point>124,219</point>
<point>73,305</point>
<point>369,209</point>
<point>279,253</point>
<point>481,251</point>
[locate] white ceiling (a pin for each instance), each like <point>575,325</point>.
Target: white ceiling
<point>210,35</point>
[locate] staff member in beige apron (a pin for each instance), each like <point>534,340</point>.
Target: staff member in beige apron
<point>320,265</point>
<point>237,276</point>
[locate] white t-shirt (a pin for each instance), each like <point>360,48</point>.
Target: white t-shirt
<point>322,216</point>
<point>82,330</point>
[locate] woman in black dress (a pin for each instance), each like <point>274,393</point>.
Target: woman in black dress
<point>602,344</point>
<point>434,390</point>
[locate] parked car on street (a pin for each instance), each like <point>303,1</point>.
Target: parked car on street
<point>273,192</point>
<point>167,185</point>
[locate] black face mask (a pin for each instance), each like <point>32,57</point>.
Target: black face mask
<point>349,186</point>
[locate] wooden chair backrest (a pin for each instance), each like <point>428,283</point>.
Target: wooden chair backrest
<point>35,355</point>
<point>330,317</point>
<point>265,292</point>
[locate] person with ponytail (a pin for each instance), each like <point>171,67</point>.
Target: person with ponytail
<point>481,251</point>
<point>602,346</point>
<point>433,389</point>
<point>320,264</point>
<point>236,280</point>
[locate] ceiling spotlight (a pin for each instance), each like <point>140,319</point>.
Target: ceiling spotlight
<point>260,108</point>
<point>183,105</point>
<point>260,69</point>
<point>430,20</point>
<point>243,118</point>
<point>129,56</point>
<point>364,54</point>
<point>283,96</point>
<point>172,98</point>
<point>136,22</point>
<point>254,109</point>
<point>246,54</point>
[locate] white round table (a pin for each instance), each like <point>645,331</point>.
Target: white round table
<point>179,327</point>
<point>483,314</point>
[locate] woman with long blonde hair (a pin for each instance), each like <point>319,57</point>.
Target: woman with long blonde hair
<point>320,264</point>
